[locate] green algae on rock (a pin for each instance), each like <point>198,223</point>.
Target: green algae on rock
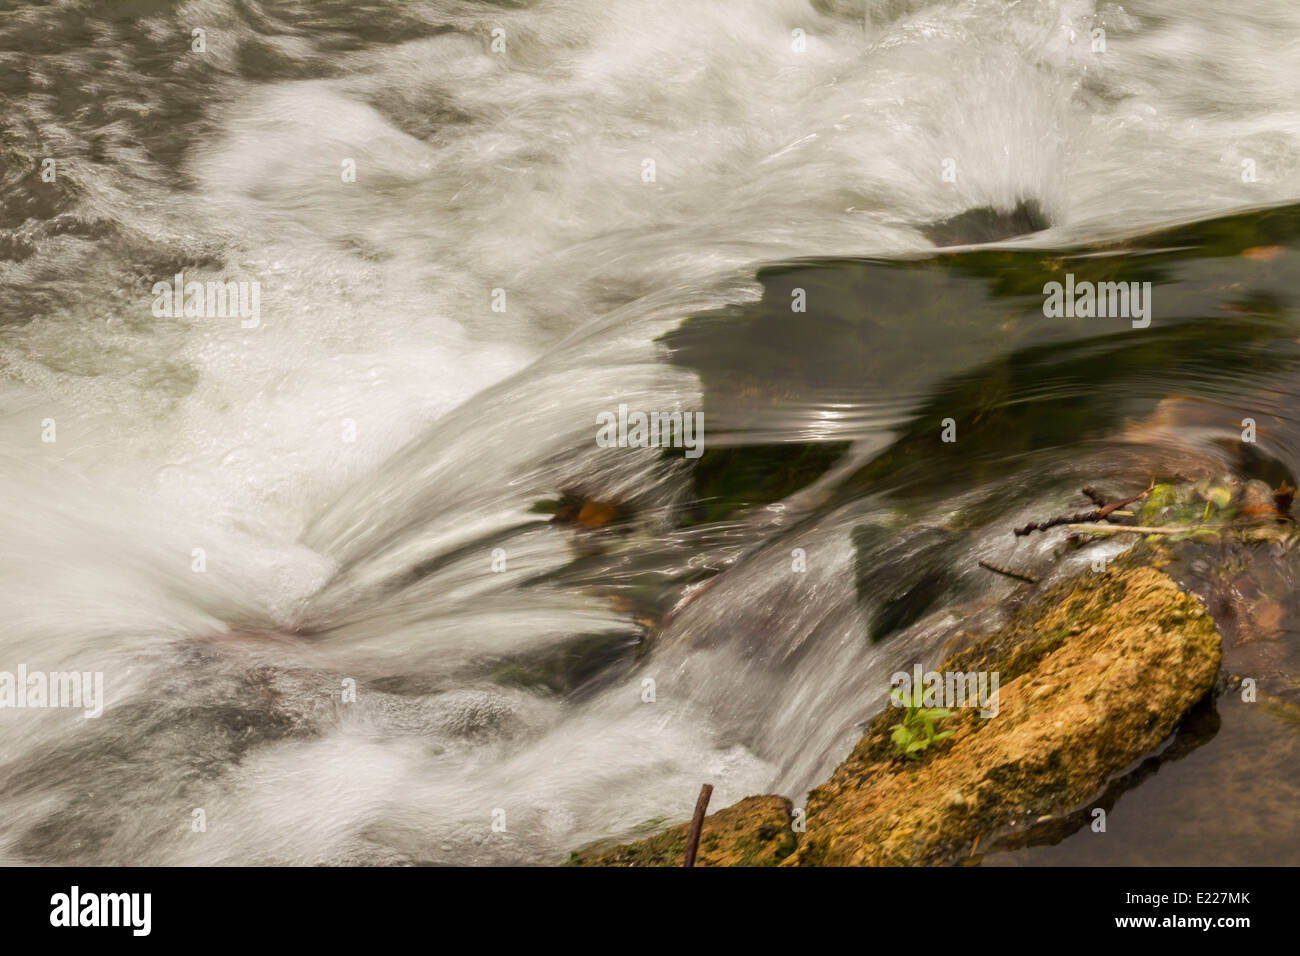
<point>754,832</point>
<point>1249,510</point>
<point>1089,684</point>
<point>1094,674</point>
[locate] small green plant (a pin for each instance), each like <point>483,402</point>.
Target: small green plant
<point>916,732</point>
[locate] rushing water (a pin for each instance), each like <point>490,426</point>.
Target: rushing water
<point>359,475</point>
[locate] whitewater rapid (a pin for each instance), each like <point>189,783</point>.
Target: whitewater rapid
<point>617,167</point>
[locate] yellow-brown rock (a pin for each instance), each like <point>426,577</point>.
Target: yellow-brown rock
<point>1088,687</point>
<point>754,832</point>
<point>1093,675</point>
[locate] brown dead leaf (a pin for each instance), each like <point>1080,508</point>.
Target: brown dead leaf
<point>595,514</point>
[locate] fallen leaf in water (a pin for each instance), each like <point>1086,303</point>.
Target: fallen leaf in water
<point>1263,253</point>
<point>576,508</point>
<point>1266,618</point>
<point>594,514</point>
<point>1257,498</point>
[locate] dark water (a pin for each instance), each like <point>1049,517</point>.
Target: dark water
<point>1068,403</point>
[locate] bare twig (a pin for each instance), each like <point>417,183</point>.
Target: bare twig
<point>1081,517</point>
<point>1140,529</point>
<point>1097,515</point>
<point>987,566</point>
<point>697,821</point>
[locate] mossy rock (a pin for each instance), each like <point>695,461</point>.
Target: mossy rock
<point>1091,678</point>
<point>1208,501</point>
<point>1093,674</point>
<point>754,832</point>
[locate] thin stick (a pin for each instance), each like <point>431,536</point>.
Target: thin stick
<point>1094,496</point>
<point>697,821</point>
<point>1011,574</point>
<point>1100,514</point>
<point>1139,529</point>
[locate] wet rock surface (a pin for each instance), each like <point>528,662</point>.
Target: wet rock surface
<point>1088,687</point>
<point>1094,674</point>
<point>754,832</point>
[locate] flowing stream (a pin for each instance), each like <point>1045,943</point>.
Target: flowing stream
<point>559,208</point>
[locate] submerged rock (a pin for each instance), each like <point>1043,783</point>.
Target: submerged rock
<point>1215,503</point>
<point>988,224</point>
